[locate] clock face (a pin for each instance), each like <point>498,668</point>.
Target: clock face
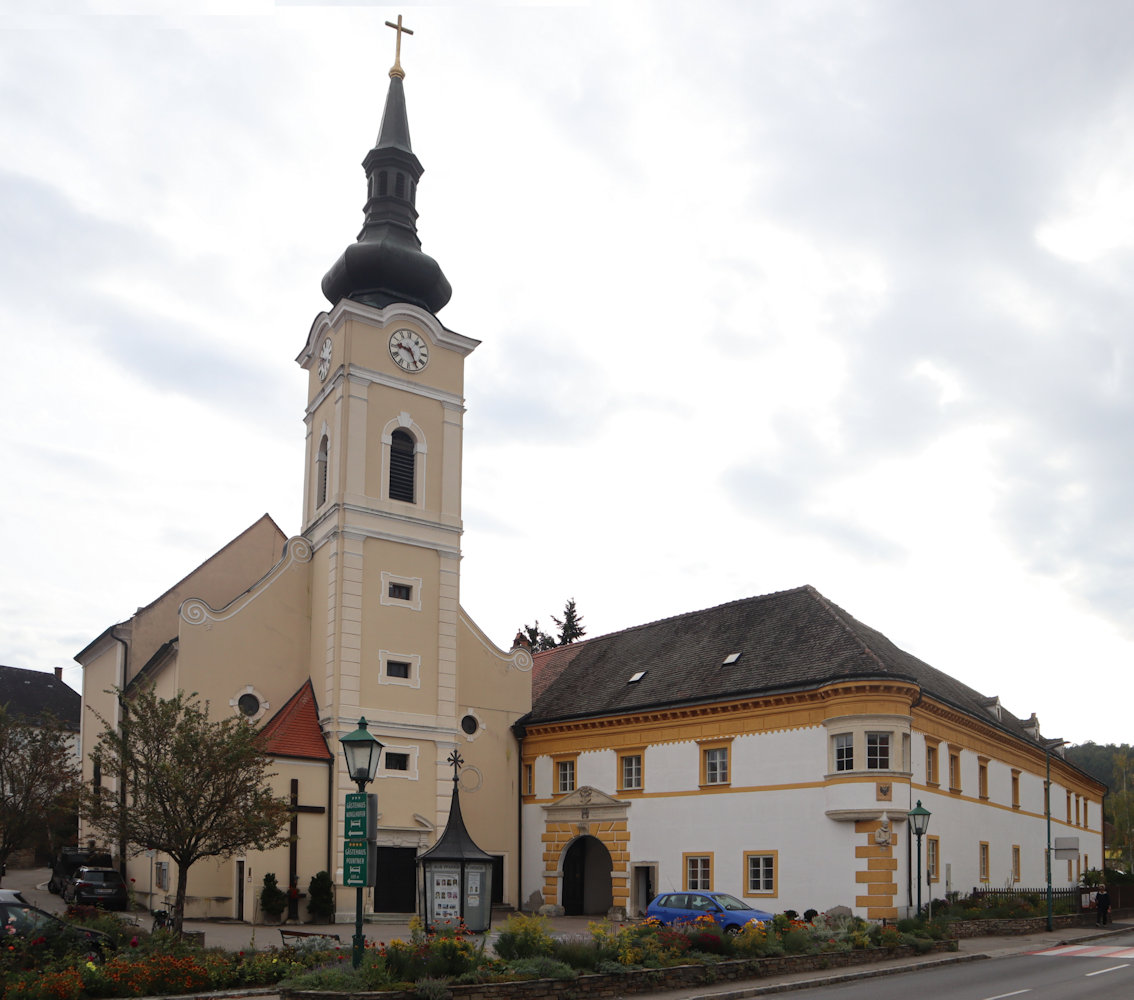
<point>325,359</point>
<point>409,350</point>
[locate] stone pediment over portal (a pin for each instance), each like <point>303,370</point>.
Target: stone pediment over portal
<point>586,805</point>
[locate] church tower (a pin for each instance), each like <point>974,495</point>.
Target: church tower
<point>382,507</point>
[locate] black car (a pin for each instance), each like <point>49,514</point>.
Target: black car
<point>70,860</point>
<point>18,917</point>
<point>97,886</point>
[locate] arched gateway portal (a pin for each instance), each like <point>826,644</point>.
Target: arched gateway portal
<point>586,878</point>
<point>586,854</point>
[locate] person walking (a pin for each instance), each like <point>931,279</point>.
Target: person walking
<point>1102,906</point>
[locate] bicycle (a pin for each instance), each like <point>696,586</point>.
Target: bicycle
<point>163,921</point>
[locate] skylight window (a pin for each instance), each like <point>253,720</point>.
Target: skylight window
<point>636,677</point>
<point>730,659</point>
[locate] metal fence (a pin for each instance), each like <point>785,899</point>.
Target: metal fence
<point>1073,896</point>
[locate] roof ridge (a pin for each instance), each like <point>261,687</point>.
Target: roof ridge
<point>840,616</point>
<point>686,614</point>
<point>227,545</point>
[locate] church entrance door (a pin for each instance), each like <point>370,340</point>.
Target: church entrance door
<point>395,880</point>
<point>586,878</point>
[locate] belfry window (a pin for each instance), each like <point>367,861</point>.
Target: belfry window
<point>382,185</point>
<point>321,474</point>
<point>400,185</point>
<point>402,449</point>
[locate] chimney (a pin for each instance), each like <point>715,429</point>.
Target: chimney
<point>59,673</point>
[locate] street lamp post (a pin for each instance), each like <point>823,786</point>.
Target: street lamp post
<point>1048,746</point>
<point>919,821</point>
<point>362,751</point>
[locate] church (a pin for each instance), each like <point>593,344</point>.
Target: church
<point>772,747</point>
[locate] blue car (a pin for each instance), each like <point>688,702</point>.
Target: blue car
<point>681,907</point>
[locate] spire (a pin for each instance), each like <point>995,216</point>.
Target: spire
<point>386,264</point>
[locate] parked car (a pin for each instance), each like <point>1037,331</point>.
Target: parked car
<point>682,907</point>
<point>70,860</point>
<point>18,917</point>
<point>97,886</point>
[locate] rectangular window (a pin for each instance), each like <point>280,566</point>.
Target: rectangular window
<point>932,853</point>
<point>1015,862</point>
<point>161,873</point>
<point>760,873</point>
<point>1076,810</point>
<point>878,751</point>
<point>716,766</point>
<point>930,764</point>
<point>954,771</point>
<point>1015,789</point>
<point>397,761</point>
<point>984,861</point>
<point>630,771</point>
<point>844,751</point>
<point>397,668</point>
<point>1086,822</point>
<point>529,779</point>
<point>564,776</point>
<point>698,872</point>
<point>1069,807</point>
<point>400,592</point>
<point>982,779</point>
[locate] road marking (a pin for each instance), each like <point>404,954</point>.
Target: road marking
<point>1001,996</point>
<point>1113,968</point>
<point>1087,951</point>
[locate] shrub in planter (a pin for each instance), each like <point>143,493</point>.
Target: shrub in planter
<point>321,898</point>
<point>273,900</point>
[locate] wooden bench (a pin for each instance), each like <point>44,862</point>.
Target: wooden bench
<point>290,936</point>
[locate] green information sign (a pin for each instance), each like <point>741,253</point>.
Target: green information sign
<point>355,815</point>
<point>356,867</point>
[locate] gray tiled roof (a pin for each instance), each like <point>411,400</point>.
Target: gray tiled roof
<point>791,640</point>
<point>34,694</point>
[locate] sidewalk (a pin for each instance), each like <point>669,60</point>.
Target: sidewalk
<point>234,936</point>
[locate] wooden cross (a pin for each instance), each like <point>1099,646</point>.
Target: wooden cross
<point>396,69</point>
<point>293,847</point>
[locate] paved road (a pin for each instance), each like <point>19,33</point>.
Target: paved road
<point>1076,972</point>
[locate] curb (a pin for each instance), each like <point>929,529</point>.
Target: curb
<point>835,979</point>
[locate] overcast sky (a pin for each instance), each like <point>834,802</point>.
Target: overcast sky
<point>769,293</point>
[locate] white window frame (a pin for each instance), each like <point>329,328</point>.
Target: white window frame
<point>414,679</point>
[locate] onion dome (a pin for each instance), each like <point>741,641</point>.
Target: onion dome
<point>386,264</point>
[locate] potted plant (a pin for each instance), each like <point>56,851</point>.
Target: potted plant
<point>273,900</point>
<point>321,898</point>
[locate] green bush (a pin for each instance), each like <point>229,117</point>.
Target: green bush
<point>273,900</point>
<point>524,937</point>
<point>579,954</point>
<point>542,967</point>
<point>321,898</point>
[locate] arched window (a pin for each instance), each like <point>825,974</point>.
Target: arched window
<point>400,185</point>
<point>382,186</point>
<point>402,449</point>
<point>321,474</point>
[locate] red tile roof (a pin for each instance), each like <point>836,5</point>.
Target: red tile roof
<point>294,730</point>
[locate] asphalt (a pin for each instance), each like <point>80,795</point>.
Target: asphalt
<point>235,936</point>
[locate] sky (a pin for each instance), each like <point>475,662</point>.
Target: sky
<point>769,294</point>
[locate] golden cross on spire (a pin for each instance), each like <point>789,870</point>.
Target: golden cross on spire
<point>396,69</point>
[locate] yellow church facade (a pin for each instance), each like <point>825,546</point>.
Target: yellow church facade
<point>359,614</point>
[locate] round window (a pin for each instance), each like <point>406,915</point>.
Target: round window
<point>248,703</point>
<point>469,725</point>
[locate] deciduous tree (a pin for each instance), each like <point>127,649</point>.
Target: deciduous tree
<point>38,778</point>
<point>196,787</point>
